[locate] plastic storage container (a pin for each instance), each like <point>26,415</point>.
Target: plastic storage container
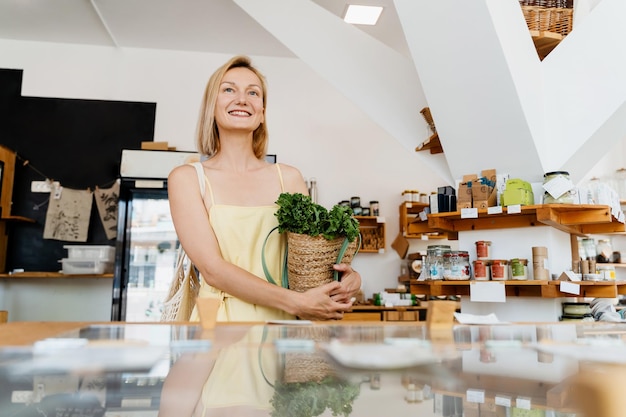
<point>86,266</point>
<point>91,252</point>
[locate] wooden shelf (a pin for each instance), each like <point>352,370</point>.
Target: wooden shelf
<point>532,288</point>
<point>51,275</point>
<point>372,234</point>
<point>17,219</point>
<point>575,219</point>
<point>412,227</point>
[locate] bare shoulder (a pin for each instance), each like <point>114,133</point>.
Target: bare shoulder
<point>292,177</point>
<point>181,174</point>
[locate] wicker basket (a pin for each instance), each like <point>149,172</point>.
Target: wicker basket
<point>549,19</point>
<point>310,259</point>
<point>307,366</point>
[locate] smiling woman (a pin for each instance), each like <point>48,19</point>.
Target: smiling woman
<point>225,231</point>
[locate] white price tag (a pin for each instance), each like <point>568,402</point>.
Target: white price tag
<point>569,287</point>
<point>423,216</point>
<point>494,210</point>
<point>503,400</point>
<point>522,402</point>
<point>514,209</point>
<point>469,213</point>
<point>487,292</point>
<point>558,186</point>
<point>475,396</point>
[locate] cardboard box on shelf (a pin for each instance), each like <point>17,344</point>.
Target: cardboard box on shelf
<point>156,146</point>
<point>464,194</point>
<point>483,195</point>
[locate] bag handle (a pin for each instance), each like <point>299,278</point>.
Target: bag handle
<point>268,275</point>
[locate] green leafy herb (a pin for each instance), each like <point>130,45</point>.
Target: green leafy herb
<point>310,399</point>
<point>297,213</point>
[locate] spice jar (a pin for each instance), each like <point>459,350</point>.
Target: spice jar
<point>481,270</point>
<point>519,269</point>
<point>483,249</point>
<point>499,270</point>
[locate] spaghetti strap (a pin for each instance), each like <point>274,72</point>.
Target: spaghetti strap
<point>203,180</point>
<point>280,176</point>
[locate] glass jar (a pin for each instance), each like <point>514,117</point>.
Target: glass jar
<point>604,251</point>
<point>407,195</point>
<point>483,249</point>
<point>456,265</point>
<point>374,208</point>
<point>499,270</point>
<point>433,265</point>
<point>562,186</point>
<point>481,270</point>
<point>519,269</point>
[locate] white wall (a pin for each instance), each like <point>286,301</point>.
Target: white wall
<point>312,126</point>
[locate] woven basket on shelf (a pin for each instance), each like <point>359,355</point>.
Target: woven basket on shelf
<point>549,19</point>
<point>310,259</point>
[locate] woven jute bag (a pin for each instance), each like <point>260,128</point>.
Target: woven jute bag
<point>185,286</point>
<point>183,292</point>
<point>307,366</point>
<point>310,259</point>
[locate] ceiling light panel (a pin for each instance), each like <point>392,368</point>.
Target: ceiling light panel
<point>362,15</point>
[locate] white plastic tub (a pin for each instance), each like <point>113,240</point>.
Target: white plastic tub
<point>91,252</point>
<point>86,266</point>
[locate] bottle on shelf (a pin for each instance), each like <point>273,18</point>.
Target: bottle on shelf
<point>313,190</point>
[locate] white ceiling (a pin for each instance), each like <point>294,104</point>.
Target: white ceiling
<point>217,26</point>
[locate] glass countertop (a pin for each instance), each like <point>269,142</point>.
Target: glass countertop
<point>308,370</point>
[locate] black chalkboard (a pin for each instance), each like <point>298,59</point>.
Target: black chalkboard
<point>76,142</point>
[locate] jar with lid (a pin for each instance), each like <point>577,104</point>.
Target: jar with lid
<point>433,265</point>
<point>355,201</point>
<point>499,270</point>
<point>415,196</point>
<point>481,270</point>
<point>407,195</point>
<point>604,251</point>
<point>374,208</point>
<point>456,265</point>
<point>519,269</point>
<point>483,249</point>
<point>558,187</point>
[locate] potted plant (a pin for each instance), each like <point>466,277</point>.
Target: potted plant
<point>317,238</point>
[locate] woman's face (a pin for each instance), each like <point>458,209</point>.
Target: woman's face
<point>239,105</point>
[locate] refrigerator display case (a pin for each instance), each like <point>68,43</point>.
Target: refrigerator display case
<point>145,255</point>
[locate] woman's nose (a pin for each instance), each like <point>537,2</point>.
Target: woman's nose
<point>241,99</point>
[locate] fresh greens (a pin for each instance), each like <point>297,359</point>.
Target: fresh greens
<point>310,399</point>
<point>297,213</point>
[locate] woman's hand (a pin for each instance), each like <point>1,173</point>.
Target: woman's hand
<point>317,303</point>
<point>350,284</point>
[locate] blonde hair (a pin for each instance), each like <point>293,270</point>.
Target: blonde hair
<point>207,134</point>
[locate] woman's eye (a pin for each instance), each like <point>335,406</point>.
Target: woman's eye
<point>228,90</point>
<point>254,93</point>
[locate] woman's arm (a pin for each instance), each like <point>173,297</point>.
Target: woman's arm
<point>198,238</point>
